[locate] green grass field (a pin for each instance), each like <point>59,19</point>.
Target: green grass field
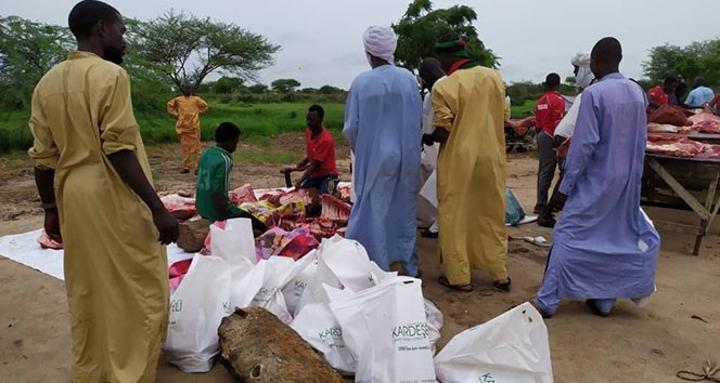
<point>257,122</point>
<point>523,110</point>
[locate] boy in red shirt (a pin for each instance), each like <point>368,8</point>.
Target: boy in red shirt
<point>319,163</point>
<point>549,111</point>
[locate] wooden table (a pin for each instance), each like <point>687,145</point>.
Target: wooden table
<point>683,183</point>
<point>705,137</point>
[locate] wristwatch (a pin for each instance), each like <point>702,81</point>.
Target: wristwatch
<point>49,206</point>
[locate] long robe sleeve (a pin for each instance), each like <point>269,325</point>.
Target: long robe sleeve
<point>118,128</point>
<point>44,152</point>
<point>584,141</point>
<point>352,118</point>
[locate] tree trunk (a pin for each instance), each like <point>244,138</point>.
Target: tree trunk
<point>256,347</point>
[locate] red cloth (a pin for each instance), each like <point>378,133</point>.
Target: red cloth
<point>715,101</point>
<point>658,95</point>
<point>321,149</point>
<point>549,112</point>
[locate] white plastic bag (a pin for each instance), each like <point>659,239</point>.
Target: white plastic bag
<point>196,309</point>
<point>302,274</point>
<point>318,326</point>
<point>235,242</point>
<point>246,282</point>
<point>435,323</point>
<point>510,348</point>
<point>270,295</point>
<point>341,263</point>
<point>429,189</point>
<point>385,328</point>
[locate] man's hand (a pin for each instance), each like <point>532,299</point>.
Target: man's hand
<point>562,150</point>
<point>52,225</point>
<point>287,170</point>
<point>167,225</point>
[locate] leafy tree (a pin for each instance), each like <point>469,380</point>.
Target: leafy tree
<point>421,26</point>
<point>697,59</point>
<point>28,50</point>
<point>285,85</point>
<point>187,48</point>
<point>258,88</point>
<point>328,89</point>
<point>228,85</point>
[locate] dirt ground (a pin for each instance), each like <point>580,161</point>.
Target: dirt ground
<point>680,329</point>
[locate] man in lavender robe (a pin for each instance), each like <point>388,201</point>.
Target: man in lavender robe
<point>604,246</point>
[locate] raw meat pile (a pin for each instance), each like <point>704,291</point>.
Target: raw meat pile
<point>671,139</point>
<point>278,208</point>
<point>677,146</point>
<point>705,123</point>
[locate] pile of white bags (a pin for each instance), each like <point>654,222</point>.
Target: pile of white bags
<point>365,321</point>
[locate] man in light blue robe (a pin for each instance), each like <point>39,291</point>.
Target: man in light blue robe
<point>604,246</point>
<point>383,118</point>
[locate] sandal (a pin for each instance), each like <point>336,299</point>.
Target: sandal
<point>463,288</point>
<point>504,286</point>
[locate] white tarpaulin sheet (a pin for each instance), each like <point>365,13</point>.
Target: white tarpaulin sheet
<point>24,248</point>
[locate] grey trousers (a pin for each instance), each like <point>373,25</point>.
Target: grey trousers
<point>546,167</point>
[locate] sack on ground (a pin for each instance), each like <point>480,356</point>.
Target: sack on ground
<point>196,309</point>
<point>435,323</point>
<point>514,212</point>
<point>234,242</point>
<point>318,326</point>
<point>270,295</point>
<point>385,328</point>
<point>302,274</point>
<point>341,263</point>
<point>510,348</point>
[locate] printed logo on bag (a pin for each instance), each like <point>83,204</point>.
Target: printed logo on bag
<point>227,307</point>
<point>176,305</point>
<point>299,288</point>
<point>332,337</point>
<point>487,378</point>
<point>411,332</point>
<point>264,296</point>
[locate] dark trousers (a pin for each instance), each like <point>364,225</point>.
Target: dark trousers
<point>546,167</point>
<point>557,199</point>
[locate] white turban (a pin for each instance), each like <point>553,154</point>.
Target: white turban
<point>584,76</point>
<point>381,42</point>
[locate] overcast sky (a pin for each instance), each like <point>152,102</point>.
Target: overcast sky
<point>321,39</point>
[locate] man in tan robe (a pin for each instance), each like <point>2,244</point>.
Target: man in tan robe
<point>95,184</point>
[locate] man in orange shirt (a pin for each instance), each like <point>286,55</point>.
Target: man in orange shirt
<point>549,111</point>
<point>187,109</point>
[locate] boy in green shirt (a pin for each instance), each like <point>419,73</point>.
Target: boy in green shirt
<point>213,182</point>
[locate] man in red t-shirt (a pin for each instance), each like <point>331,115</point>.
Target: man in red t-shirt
<point>319,163</point>
<point>549,111</point>
<point>659,96</point>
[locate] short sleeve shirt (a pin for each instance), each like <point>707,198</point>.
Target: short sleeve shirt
<point>321,149</point>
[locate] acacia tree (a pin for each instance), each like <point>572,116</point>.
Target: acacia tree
<point>421,26</point>
<point>187,48</point>
<point>28,50</point>
<point>285,85</point>
<point>697,59</point>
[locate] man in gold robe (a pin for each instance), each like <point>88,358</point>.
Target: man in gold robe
<point>95,185</point>
<point>187,109</point>
<point>469,118</point>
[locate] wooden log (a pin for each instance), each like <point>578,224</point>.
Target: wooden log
<point>256,347</point>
